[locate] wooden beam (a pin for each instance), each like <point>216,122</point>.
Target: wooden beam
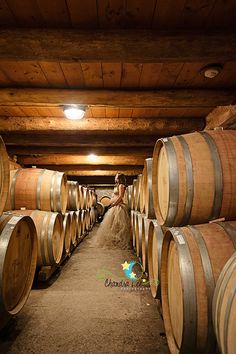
<point>77,140</point>
<point>32,150</point>
<point>62,159</point>
<point>224,117</point>
<point>143,46</point>
<point>89,168</point>
<point>181,98</point>
<point>103,172</point>
<point>160,126</point>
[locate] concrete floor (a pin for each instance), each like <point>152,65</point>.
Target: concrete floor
<point>76,313</point>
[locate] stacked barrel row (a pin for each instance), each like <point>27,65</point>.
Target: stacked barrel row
<point>18,251</point>
<point>35,228</point>
<point>81,207</point>
<point>187,240</point>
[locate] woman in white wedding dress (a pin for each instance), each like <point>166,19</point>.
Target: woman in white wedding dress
<point>115,229</point>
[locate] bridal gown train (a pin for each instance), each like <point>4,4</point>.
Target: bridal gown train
<point>115,229</point>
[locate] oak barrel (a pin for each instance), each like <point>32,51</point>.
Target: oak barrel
<point>105,200</point>
<point>83,222</point>
<point>100,208</point>
<point>78,221</point>
<point>155,235</point>
<point>34,188</point>
<point>146,195</point>
<point>192,260</point>
<point>133,193</point>
<point>139,233</point>
<point>137,193</point>
<point>50,234</point>
<point>4,175</point>
<point>224,308</point>
<point>67,232</point>
<point>194,178</point>
<point>73,227</point>
<point>18,257</point>
<point>74,201</point>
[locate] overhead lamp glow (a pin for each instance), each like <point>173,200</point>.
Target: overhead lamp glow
<point>74,112</point>
<point>92,157</point>
<point>211,71</point>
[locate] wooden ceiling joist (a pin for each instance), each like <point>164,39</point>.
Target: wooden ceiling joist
<point>102,172</point>
<point>115,45</point>
<point>182,98</point>
<point>63,159</point>
<point>224,117</point>
<point>161,126</point>
<point>42,150</point>
<point>77,140</point>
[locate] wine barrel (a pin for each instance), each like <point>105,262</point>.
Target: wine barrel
<point>155,235</point>
<point>100,209</point>
<point>4,175</point>
<point>192,259</point>
<point>135,228</point>
<point>194,178</point>
<point>33,188</point>
<point>146,195</point>
<point>137,193</point>
<point>105,200</point>
<point>50,234</point>
<point>133,194</point>
<point>92,216</point>
<point>73,202</point>
<point>79,226</point>
<point>67,232</point>
<point>224,308</point>
<point>81,196</point>
<point>129,195</point>
<point>83,222</point>
<point>94,198</point>
<point>18,257</point>
<point>85,198</point>
<point>73,227</point>
<point>139,233</point>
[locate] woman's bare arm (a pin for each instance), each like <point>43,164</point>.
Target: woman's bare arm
<point>120,195</point>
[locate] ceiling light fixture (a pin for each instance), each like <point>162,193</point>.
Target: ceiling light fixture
<point>92,157</point>
<point>74,111</point>
<point>212,70</point>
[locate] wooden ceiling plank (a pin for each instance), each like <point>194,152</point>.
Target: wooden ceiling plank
<point>168,13</point>
<point>168,75</point>
<point>92,73</point>
<point>132,46</point>
<point>112,112</point>
<point>111,74</point>
<point>6,16</point>
<point>139,13</point>
<point>54,74</point>
<point>130,76</point>
<point>111,14</point>
<point>83,14</point>
<point>26,12</point>
<point>196,13</point>
<point>222,14</point>
<point>129,99</point>
<point>73,74</point>
<point>150,75</point>
<point>54,15</point>
<point>125,112</point>
<point>187,75</point>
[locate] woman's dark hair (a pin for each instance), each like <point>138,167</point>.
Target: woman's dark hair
<point>121,178</point>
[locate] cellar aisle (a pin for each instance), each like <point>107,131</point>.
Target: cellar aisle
<point>78,314</point>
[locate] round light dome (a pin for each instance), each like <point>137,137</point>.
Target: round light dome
<point>74,112</point>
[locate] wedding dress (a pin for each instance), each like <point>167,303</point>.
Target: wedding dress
<point>115,229</point>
